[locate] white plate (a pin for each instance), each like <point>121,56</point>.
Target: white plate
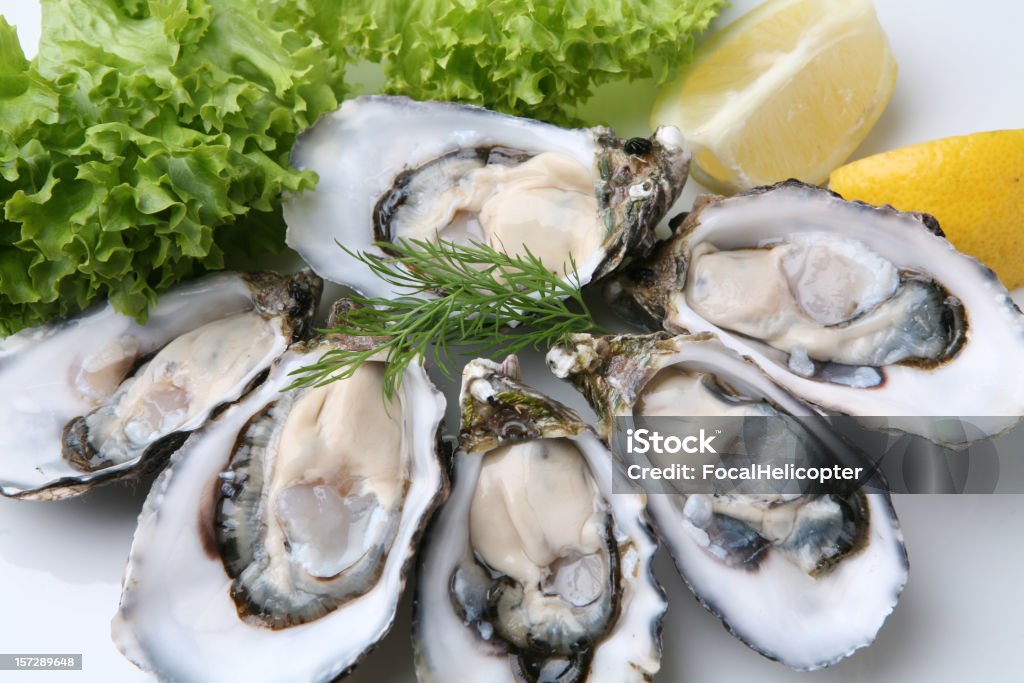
<point>959,618</point>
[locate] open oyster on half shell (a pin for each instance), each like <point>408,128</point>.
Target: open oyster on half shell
<point>858,309</point>
<point>534,570</point>
<point>99,396</point>
<point>273,547</point>
<point>802,578</point>
<point>392,168</point>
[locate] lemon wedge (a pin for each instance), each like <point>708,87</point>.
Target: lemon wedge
<point>973,184</point>
<point>787,91</point>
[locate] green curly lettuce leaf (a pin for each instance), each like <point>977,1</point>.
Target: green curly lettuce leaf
<point>526,57</point>
<point>148,138</point>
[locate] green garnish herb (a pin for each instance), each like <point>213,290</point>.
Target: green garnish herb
<point>469,296</point>
<point>148,142</point>
<point>538,59</point>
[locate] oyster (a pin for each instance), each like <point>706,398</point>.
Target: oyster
<point>393,168</point>
<point>804,579</point>
<point>274,545</point>
<point>99,396</point>
<point>858,309</point>
<point>534,569</point>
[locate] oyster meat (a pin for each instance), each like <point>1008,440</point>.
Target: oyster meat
<point>858,309</point>
<point>802,578</point>
<point>274,545</point>
<point>392,168</point>
<point>99,396</point>
<point>534,569</point>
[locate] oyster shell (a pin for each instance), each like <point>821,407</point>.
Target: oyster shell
<point>804,579</point>
<point>392,168</point>
<point>274,545</point>
<point>858,309</point>
<point>534,570</point>
<point>99,396</point>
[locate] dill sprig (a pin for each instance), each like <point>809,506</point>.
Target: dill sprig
<point>470,296</point>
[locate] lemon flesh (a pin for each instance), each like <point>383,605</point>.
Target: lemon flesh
<point>973,184</point>
<point>787,91</point>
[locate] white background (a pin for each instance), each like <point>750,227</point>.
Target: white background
<point>960,616</point>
